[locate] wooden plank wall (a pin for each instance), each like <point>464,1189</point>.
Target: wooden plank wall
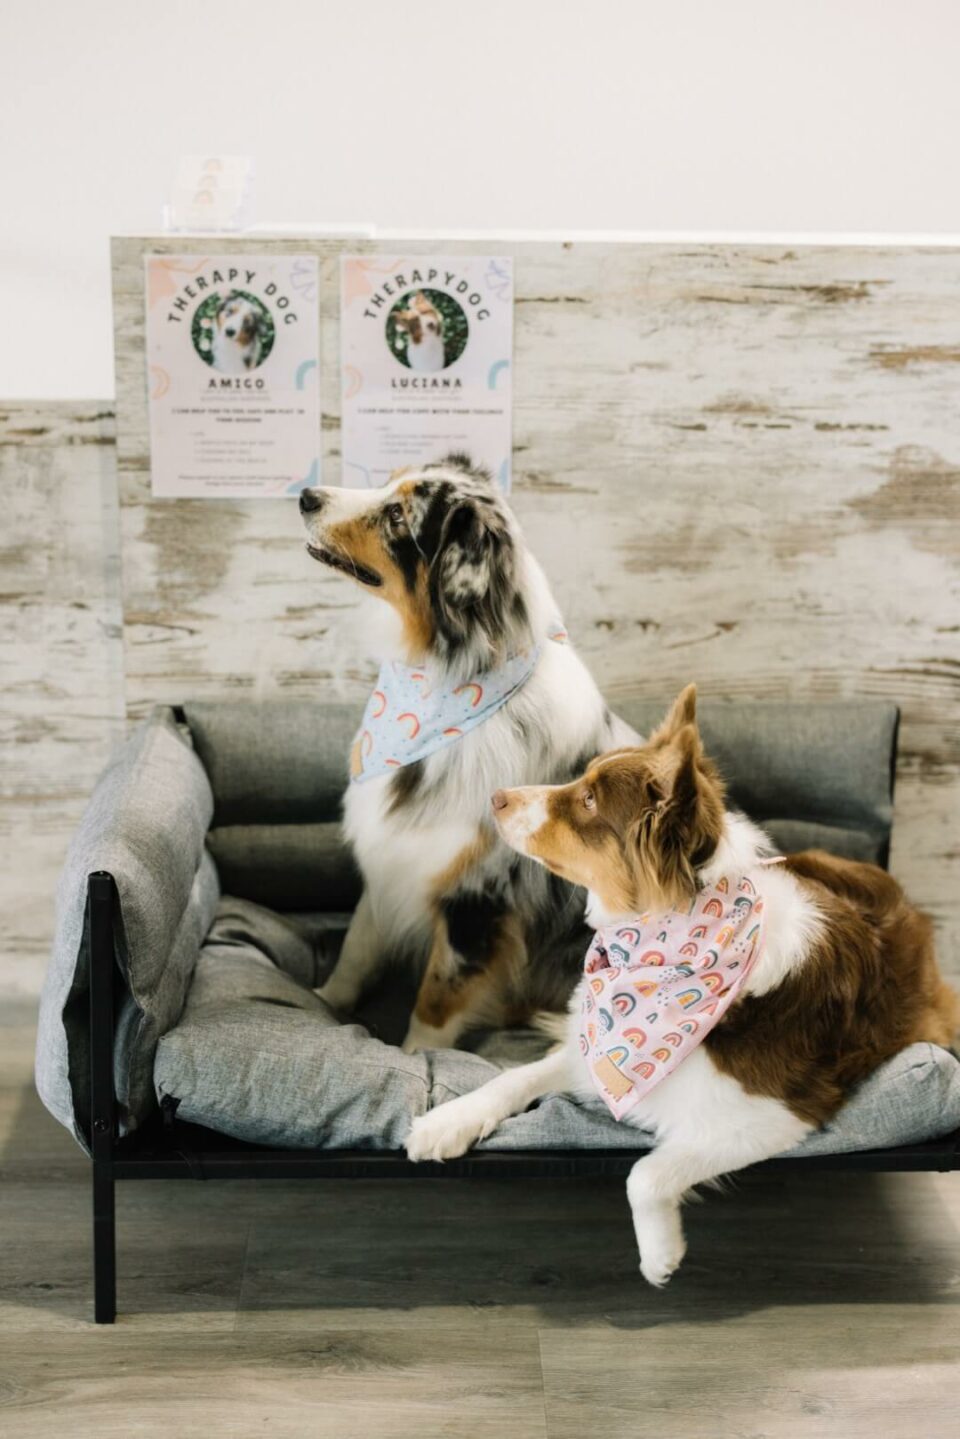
<point>739,465</point>
<point>61,694</point>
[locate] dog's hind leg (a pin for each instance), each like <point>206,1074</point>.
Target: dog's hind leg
<point>470,974</point>
<point>360,962</point>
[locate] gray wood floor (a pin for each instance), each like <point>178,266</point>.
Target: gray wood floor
<point>823,1306</point>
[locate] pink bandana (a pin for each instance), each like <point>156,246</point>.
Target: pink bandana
<point>655,987</point>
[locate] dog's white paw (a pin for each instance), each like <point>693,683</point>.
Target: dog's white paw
<point>659,1261</point>
<point>446,1132</point>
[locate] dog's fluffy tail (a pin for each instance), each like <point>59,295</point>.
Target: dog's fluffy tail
<point>555,1025</point>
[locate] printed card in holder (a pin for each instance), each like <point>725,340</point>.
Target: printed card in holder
<point>233,373</point>
<point>427,344</point>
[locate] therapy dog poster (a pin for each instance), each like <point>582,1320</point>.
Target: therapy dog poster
<point>233,370</point>
<point>426,345</point>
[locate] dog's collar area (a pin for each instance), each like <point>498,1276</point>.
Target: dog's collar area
<point>347,567</point>
<point>656,985</point>
<point>413,711</point>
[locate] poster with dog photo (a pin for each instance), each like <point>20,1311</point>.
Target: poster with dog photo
<point>233,373</point>
<point>426,349</point>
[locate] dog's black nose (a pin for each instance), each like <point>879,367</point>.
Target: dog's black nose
<point>230,334</point>
<point>310,501</point>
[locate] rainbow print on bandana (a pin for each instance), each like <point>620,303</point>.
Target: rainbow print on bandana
<point>681,964</point>
<point>411,713</point>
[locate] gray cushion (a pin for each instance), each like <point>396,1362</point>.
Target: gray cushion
<point>259,1056</point>
<point>286,866</point>
<point>276,762</point>
<point>145,824</point>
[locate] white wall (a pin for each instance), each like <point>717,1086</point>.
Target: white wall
<point>719,115</point>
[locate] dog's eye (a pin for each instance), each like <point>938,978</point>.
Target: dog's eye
<point>395,514</point>
<point>589,799</point>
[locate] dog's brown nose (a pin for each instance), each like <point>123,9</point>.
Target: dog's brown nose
<point>500,799</point>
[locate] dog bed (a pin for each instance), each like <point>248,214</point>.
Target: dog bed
<point>218,823</point>
<point>258,1055</point>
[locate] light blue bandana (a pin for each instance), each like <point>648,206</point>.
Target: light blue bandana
<point>411,712</point>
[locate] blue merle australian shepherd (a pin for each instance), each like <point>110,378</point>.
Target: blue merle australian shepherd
<point>503,700</point>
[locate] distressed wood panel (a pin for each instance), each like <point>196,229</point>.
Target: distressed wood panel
<point>740,465</point>
<point>61,693</point>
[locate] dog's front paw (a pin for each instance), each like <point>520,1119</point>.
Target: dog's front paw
<point>445,1132</point>
<point>659,1261</point>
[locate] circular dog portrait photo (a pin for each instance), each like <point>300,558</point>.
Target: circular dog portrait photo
<point>233,332</point>
<point>427,330</point>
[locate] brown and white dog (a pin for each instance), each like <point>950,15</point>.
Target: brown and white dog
<point>846,977</point>
<point>422,323</point>
<point>456,591</point>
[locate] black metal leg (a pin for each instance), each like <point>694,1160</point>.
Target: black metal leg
<point>100,901</point>
<point>104,1247</point>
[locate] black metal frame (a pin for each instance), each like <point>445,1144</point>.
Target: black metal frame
<point>169,1149</point>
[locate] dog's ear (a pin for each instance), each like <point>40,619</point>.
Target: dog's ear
<point>670,840</point>
<point>682,712</point>
<point>472,577</point>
